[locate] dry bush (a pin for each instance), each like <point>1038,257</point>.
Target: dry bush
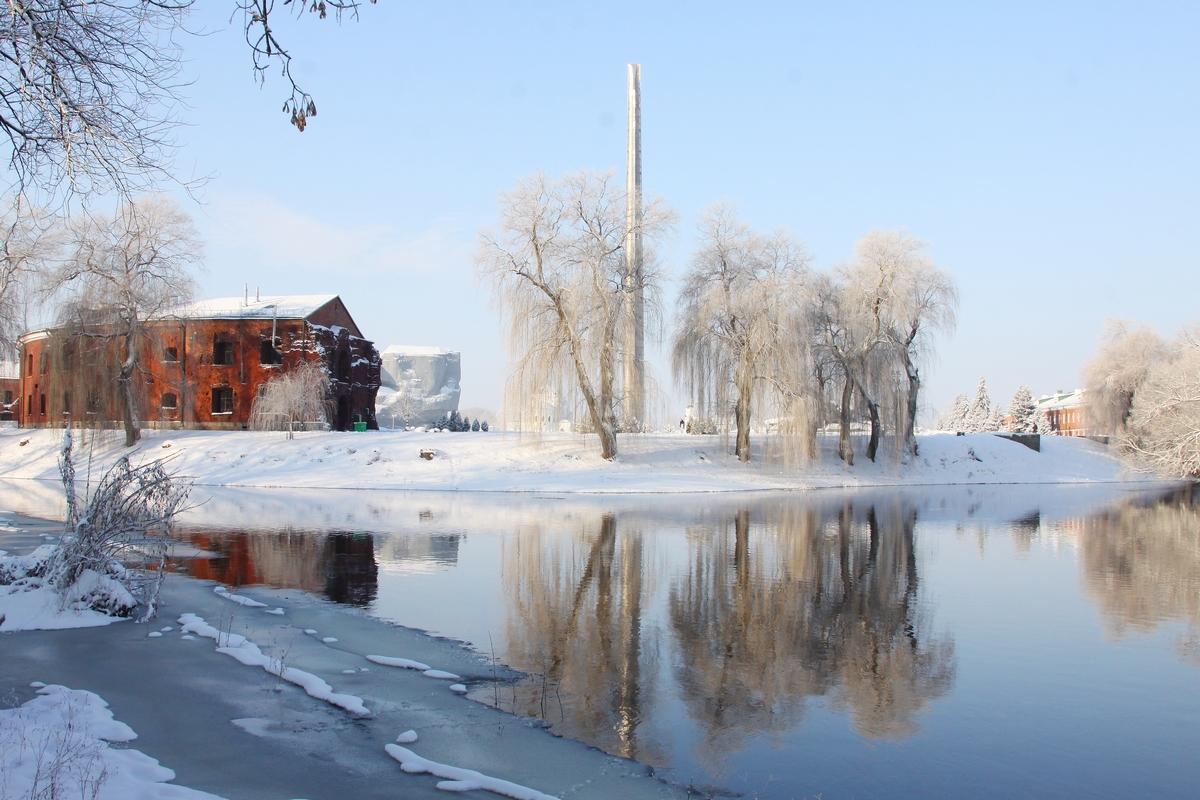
<point>114,556</point>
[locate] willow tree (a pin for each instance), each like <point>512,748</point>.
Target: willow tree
<point>734,334</point>
<point>1126,357</point>
<point>118,272</point>
<point>557,271</point>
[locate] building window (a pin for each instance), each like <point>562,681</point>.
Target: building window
<point>7,397</point>
<point>222,401</point>
<point>171,354</point>
<point>93,403</point>
<point>29,364</point>
<point>42,404</point>
<point>170,401</point>
<point>222,353</point>
<point>43,363</point>
<point>268,353</point>
<point>66,402</point>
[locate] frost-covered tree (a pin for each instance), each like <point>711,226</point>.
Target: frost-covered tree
<point>292,398</point>
<point>922,302</point>
<point>733,333</point>
<point>980,410</point>
<point>1163,427</point>
<point>952,418</point>
<point>483,426</point>
<point>557,271</point>
<point>1125,359</point>
<point>475,426</point>
<point>996,419</point>
<point>117,273</point>
<point>1023,410</point>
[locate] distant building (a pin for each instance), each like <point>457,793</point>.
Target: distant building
<point>10,391</point>
<point>202,364</point>
<point>1065,411</point>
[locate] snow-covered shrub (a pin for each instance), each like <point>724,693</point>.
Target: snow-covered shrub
<point>483,426</point>
<point>113,558</point>
<point>475,426</point>
<point>292,398</point>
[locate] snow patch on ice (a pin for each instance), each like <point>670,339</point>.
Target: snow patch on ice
<point>255,726</point>
<point>458,687</point>
<point>248,653</point>
<point>154,634</point>
<point>408,737</point>
<point>237,598</point>
<point>441,674</point>
<point>276,611</point>
<point>57,745</point>
<point>413,763</point>
<point>329,640</point>
<point>403,663</point>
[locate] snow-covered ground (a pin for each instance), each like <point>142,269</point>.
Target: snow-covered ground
<point>500,462</point>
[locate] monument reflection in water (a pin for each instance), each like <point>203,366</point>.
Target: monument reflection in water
<point>931,643</point>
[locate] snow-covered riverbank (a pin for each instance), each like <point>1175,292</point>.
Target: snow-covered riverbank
<point>499,462</point>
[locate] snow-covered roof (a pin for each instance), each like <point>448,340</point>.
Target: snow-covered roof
<point>416,350</point>
<point>283,306</point>
<point>1061,399</point>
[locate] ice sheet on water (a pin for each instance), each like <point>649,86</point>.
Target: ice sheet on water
<point>248,653</point>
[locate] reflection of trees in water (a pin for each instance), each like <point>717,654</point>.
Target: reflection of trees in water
<point>776,609</point>
<point>1142,566</point>
<point>769,609</point>
<point>340,566</point>
<point>575,618</point>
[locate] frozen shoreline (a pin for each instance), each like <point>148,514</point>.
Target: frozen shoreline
<point>237,731</point>
<point>561,463</point>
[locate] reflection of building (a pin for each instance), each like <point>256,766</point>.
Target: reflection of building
<point>339,566</point>
<point>201,364</point>
<point>1065,412</point>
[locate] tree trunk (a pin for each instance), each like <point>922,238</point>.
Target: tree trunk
<point>845,448</point>
<point>914,387</point>
<point>125,381</point>
<point>873,410</point>
<point>742,415</point>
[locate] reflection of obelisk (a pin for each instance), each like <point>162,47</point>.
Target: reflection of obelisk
<point>634,406</point>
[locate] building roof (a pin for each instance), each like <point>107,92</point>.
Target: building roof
<point>1061,399</point>
<point>282,306</point>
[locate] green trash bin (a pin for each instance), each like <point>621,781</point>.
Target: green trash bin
<point>360,427</point>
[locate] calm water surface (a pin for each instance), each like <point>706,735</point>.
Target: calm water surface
<point>1008,642</point>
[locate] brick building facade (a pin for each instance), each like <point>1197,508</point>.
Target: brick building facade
<point>201,364</point>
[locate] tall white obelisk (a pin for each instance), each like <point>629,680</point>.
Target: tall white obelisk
<point>634,405</point>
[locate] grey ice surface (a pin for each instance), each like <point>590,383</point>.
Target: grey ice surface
<point>182,698</point>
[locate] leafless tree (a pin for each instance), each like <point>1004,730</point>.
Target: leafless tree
<point>29,242</point>
<point>1163,425</point>
<point>733,337</point>
<point>117,273</point>
<point>90,89</point>
<point>1125,359</point>
<point>294,397</point>
<point>557,273</point>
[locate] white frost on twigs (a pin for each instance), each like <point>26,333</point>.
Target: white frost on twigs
<point>403,663</point>
<point>456,776</point>
<point>248,653</point>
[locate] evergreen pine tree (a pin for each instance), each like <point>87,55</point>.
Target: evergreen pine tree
<point>483,426</point>
<point>455,421</point>
<point>442,423</point>
<point>1023,410</point>
<point>952,419</point>
<point>980,410</point>
<point>475,426</point>
<point>996,420</point>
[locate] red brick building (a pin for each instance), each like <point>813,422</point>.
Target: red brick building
<point>201,364</point>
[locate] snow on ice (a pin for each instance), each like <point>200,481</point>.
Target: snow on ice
<point>56,745</point>
<point>248,653</point>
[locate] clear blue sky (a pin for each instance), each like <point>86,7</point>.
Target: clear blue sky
<point>1047,152</point>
